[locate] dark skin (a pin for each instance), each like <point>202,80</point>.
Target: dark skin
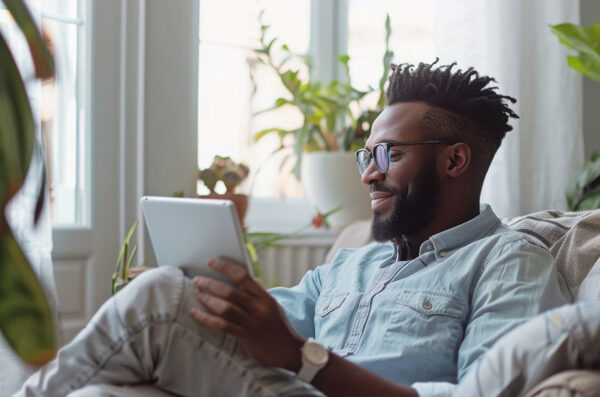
<point>459,188</point>
<point>250,313</point>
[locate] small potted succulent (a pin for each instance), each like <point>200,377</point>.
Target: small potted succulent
<point>232,174</point>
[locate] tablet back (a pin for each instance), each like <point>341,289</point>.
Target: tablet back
<point>187,232</point>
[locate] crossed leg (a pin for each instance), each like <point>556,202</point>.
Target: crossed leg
<point>144,334</point>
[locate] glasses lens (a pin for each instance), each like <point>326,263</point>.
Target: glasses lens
<point>362,160</point>
<point>381,157</point>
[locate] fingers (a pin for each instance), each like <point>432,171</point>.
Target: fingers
<point>222,308</point>
<point>222,290</point>
<point>238,275</point>
<point>216,323</point>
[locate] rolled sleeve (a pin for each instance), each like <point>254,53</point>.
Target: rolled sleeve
<point>298,302</point>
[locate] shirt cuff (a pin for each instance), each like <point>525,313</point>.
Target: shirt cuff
<point>434,389</point>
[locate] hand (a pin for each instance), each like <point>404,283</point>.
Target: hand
<point>248,312</point>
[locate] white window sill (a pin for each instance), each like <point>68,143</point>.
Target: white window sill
<point>286,216</point>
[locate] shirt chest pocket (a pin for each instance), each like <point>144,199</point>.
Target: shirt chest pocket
<point>328,303</point>
<point>427,324</point>
<point>431,302</point>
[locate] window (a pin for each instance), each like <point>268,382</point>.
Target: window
<point>228,32</point>
<point>412,38</point>
<point>62,111</point>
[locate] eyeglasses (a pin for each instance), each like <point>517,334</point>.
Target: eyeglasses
<point>381,154</point>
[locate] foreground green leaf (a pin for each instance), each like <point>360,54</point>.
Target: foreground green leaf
<point>42,58</point>
<point>25,316</point>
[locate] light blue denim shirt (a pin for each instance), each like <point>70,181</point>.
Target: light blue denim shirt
<point>425,321</point>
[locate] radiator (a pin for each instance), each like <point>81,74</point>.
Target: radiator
<point>285,265</point>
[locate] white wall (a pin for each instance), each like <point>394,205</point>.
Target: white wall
<point>158,127</point>
<point>171,96</point>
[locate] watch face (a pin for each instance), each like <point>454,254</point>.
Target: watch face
<point>315,353</point>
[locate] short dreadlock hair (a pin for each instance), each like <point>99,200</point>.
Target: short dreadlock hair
<point>463,108</point>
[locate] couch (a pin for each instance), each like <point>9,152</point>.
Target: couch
<point>573,238</point>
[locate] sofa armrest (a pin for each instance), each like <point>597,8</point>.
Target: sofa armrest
<point>354,235</point>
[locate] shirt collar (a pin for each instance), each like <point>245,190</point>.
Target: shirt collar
<point>456,237</point>
<point>472,230</point>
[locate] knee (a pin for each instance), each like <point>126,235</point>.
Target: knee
<point>156,293</point>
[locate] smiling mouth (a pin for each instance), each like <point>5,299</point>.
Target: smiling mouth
<point>380,199</point>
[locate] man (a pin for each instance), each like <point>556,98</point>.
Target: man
<point>406,316</point>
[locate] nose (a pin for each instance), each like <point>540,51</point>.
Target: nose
<point>372,174</point>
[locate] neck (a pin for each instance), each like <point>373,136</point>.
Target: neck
<point>446,218</point>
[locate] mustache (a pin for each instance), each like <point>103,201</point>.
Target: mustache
<point>382,188</point>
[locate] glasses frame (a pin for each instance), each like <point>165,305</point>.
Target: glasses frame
<point>388,146</point>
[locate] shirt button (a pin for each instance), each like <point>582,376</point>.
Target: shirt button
<point>442,253</point>
<point>557,320</point>
<point>427,305</point>
<point>326,307</point>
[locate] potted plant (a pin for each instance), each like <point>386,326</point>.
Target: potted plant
<point>231,174</point>
<point>335,124</point>
<point>584,191</point>
<point>26,319</point>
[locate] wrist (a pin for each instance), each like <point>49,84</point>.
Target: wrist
<point>314,358</point>
<point>295,356</point>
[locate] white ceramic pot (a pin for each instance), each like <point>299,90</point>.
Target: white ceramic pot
<point>331,179</point>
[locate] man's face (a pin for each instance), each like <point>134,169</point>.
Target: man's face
<point>404,200</point>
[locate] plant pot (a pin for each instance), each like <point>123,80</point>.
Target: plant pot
<point>332,179</point>
<point>239,200</point>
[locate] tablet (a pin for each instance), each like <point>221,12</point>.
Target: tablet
<point>187,232</point>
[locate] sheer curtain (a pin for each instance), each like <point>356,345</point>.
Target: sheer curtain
<point>36,241</point>
<point>511,41</point>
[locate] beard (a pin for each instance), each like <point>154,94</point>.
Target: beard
<point>410,213</point>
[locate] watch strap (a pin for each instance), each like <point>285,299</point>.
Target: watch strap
<point>310,369</point>
<point>307,373</point>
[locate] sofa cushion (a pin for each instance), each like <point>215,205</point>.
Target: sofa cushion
<point>561,339</point>
<point>576,383</point>
<point>573,238</point>
<point>589,290</point>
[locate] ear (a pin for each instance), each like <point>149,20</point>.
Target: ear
<point>456,159</point>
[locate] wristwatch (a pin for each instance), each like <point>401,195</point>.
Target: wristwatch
<point>314,358</point>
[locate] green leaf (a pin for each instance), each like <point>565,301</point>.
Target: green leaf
<point>42,58</point>
<point>585,65</point>
<point>17,137</point>
<point>26,319</point>
<point>582,39</point>
<point>302,137</point>
<point>279,102</point>
<point>261,134</point>
<point>585,185</point>
<point>590,202</point>
<point>25,315</point>
<point>268,48</point>
<point>129,262</point>
<point>333,211</point>
<point>290,80</point>
<point>121,259</point>
<point>587,42</point>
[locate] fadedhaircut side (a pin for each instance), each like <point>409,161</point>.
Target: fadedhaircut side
<point>464,108</point>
